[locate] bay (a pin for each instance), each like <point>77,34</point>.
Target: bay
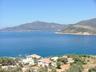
<point>45,44</point>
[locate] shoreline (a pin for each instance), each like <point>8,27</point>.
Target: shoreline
<point>22,56</point>
<point>83,34</point>
<point>61,33</point>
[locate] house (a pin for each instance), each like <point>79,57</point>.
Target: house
<point>44,62</point>
<point>28,61</point>
<point>65,56</point>
<point>31,59</point>
<point>34,56</point>
<point>54,58</point>
<point>70,60</point>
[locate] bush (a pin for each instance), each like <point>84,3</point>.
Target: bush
<point>7,61</point>
<point>43,69</point>
<point>75,68</point>
<point>59,65</point>
<point>92,69</point>
<point>11,70</point>
<point>63,60</point>
<point>79,60</point>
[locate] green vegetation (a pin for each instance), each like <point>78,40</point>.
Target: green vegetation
<point>92,69</point>
<point>7,61</point>
<point>80,64</point>
<point>53,69</point>
<point>79,58</point>
<point>79,61</point>
<point>43,69</point>
<point>58,65</point>
<point>76,68</point>
<point>17,69</point>
<point>63,60</point>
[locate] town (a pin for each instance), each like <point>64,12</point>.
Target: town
<point>36,63</point>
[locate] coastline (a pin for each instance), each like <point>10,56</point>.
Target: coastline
<point>84,34</point>
<point>62,33</point>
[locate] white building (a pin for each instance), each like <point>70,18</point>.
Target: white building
<point>54,58</point>
<point>29,61</point>
<point>34,56</point>
<point>70,60</point>
<point>44,62</point>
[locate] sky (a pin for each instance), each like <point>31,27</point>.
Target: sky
<point>16,12</point>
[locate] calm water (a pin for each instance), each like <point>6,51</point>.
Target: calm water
<point>45,44</point>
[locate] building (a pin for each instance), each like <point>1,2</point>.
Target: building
<point>28,61</point>
<point>44,62</point>
<point>34,56</point>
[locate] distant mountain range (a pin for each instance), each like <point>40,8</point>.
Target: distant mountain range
<point>36,26</point>
<point>83,27</point>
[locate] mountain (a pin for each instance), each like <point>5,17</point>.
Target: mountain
<point>85,27</point>
<point>82,27</point>
<point>36,26</point>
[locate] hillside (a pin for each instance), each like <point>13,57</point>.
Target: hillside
<point>82,27</point>
<point>36,63</point>
<point>35,26</point>
<point>85,27</point>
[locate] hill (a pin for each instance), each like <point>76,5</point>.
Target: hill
<point>82,27</point>
<point>85,27</point>
<point>35,26</point>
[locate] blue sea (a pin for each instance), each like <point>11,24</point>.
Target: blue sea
<point>45,44</point>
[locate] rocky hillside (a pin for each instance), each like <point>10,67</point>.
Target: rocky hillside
<point>82,27</point>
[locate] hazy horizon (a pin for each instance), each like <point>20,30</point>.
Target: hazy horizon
<point>18,12</point>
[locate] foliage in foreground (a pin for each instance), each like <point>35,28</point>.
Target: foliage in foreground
<point>92,69</point>
<point>7,61</point>
<point>76,68</point>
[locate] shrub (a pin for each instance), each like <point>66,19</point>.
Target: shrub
<point>92,69</point>
<point>7,61</point>
<point>75,68</point>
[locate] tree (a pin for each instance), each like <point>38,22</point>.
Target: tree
<point>59,65</point>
